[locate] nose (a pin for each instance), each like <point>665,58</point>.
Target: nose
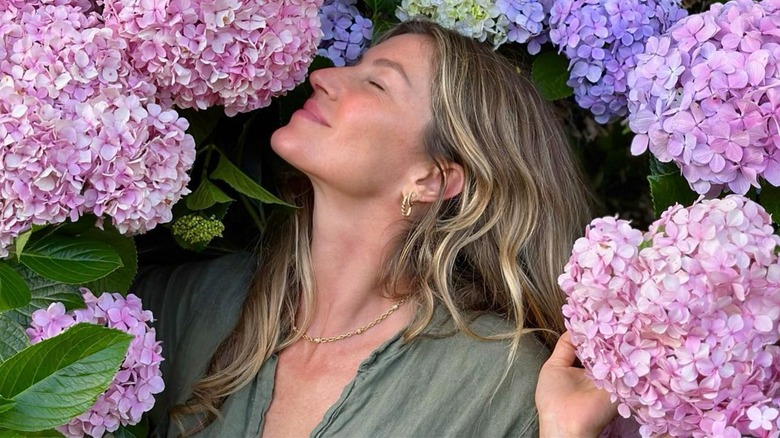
<point>325,80</point>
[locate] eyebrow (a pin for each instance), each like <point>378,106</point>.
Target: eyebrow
<point>384,62</point>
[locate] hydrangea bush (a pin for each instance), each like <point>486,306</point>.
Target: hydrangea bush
<point>132,391</point>
<point>81,132</point>
<point>602,39</point>
<point>202,53</point>
<point>705,96</point>
<point>680,324</point>
<point>87,90</point>
<point>345,32</point>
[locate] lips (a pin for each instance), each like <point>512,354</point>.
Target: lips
<point>312,110</point>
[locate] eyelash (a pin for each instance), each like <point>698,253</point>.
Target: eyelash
<point>377,85</point>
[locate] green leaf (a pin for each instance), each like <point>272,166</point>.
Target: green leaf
<point>381,26</point>
<point>659,168</point>
<point>72,260</point>
<point>21,241</point>
<point>5,433</point>
<point>44,291</point>
<point>206,195</point>
<point>140,430</point>
<point>228,172</point>
<point>386,7</point>
<point>669,189</point>
<point>14,292</point>
<point>549,74</point>
<point>84,224</point>
<point>12,337</point>
<point>770,200</point>
<point>202,122</point>
<point>120,279</point>
<point>60,377</point>
<point>6,404</point>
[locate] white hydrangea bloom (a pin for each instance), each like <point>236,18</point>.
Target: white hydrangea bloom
<point>478,19</point>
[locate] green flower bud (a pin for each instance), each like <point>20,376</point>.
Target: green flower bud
<point>197,230</point>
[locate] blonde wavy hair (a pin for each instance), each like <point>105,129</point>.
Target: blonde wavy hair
<point>499,246</point>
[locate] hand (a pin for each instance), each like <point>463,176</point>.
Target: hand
<point>568,402</point>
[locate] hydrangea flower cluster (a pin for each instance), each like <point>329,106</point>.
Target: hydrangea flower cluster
<point>705,96</point>
<point>528,22</point>
<point>79,130</point>
<point>195,229</point>
<point>602,39</point>
<point>132,391</point>
<point>478,19</point>
<point>496,21</point>
<point>345,33</point>
<point>680,324</point>
<point>202,53</point>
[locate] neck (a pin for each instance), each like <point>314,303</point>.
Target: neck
<point>349,247</point>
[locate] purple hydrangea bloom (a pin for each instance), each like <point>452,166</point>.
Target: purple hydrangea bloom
<point>705,96</point>
<point>680,324</point>
<point>528,21</point>
<point>602,39</point>
<point>80,130</point>
<point>131,393</point>
<point>345,33</point>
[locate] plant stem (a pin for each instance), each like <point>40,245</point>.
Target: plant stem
<point>251,210</point>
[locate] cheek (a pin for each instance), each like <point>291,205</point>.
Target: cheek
<point>388,132</point>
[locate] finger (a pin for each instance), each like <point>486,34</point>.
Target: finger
<point>564,353</point>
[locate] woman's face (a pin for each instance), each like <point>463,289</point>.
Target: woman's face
<point>361,130</point>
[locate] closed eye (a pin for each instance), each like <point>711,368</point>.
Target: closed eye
<point>375,84</point>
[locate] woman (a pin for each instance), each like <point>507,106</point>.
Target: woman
<point>440,205</point>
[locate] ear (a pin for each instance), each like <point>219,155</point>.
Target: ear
<point>427,187</point>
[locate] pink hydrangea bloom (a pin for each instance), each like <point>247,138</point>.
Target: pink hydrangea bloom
<point>80,131</point>
<point>132,391</point>
<point>680,324</point>
<point>49,322</point>
<point>202,53</point>
<point>704,95</point>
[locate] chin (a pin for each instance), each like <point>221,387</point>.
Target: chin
<point>283,141</point>
<point>288,146</point>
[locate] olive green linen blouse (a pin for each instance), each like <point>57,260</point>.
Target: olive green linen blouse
<point>442,384</point>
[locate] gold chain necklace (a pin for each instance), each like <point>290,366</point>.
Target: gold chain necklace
<point>357,331</point>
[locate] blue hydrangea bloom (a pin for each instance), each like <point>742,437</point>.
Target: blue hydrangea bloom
<point>527,21</point>
<point>345,33</point>
<point>602,39</point>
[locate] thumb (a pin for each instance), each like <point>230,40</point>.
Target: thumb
<point>564,353</point>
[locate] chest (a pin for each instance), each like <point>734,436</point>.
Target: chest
<point>304,390</point>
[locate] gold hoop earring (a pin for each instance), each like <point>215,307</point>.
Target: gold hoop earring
<point>406,204</point>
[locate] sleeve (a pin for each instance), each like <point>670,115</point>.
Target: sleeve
<point>195,306</point>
